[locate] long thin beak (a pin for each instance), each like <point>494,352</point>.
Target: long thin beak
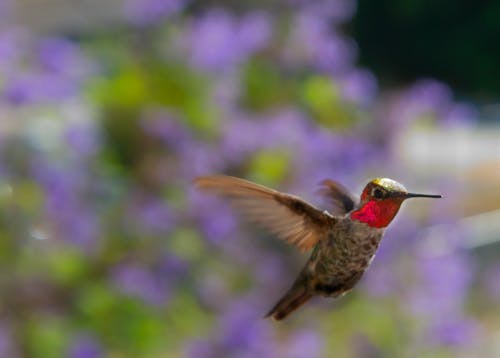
<point>413,195</point>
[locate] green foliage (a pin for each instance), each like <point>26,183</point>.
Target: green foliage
<point>323,99</point>
<point>266,86</point>
<point>269,166</point>
<point>186,243</point>
<point>46,336</point>
<point>67,266</point>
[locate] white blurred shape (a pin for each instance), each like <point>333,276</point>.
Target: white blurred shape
<point>450,149</point>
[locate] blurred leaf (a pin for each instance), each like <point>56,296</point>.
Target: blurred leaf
<point>46,336</point>
<point>174,86</point>
<point>265,87</point>
<point>186,318</point>
<point>67,265</point>
<point>323,99</point>
<point>5,193</point>
<point>127,324</point>
<point>6,246</point>
<point>134,326</point>
<point>27,196</point>
<point>269,166</point>
<point>127,89</point>
<point>137,87</point>
<point>94,301</point>
<point>123,136</point>
<point>186,243</point>
<point>374,319</point>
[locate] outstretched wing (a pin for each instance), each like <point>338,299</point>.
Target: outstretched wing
<point>287,216</point>
<point>339,198</point>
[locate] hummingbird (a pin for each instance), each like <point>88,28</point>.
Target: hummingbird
<point>343,242</point>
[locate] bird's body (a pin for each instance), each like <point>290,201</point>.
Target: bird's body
<point>344,243</point>
<point>338,262</point>
<point>335,266</point>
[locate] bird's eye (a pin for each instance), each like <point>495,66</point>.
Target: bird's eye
<point>377,193</point>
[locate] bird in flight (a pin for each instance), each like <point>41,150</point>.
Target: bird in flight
<point>343,242</point>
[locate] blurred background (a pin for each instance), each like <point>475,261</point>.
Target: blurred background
<point>109,109</point>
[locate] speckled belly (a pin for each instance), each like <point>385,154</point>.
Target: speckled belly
<point>341,261</point>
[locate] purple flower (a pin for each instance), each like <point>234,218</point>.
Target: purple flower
<point>359,87</point>
<point>83,138</point>
<point>172,267</point>
<point>61,188</point>
<point>438,299</point>
<point>241,137</point>
<point>312,42</point>
<point>11,47</point>
<point>460,114</point>
<point>85,346</point>
<point>168,128</point>
<point>5,10</point>
<point>27,88</point>
<point>426,97</point>
<point>254,30</point>
<point>64,204</point>
<point>218,41</point>
<point>151,215</point>
<point>141,282</point>
<point>323,152</point>
<point>454,332</point>
<point>430,95</point>
<point>446,279</point>
<point>82,229</point>
<point>215,218</point>
<point>57,69</point>
<point>285,128</point>
<point>197,159</point>
<point>147,12</point>
<point>200,348</point>
<point>7,345</point>
<point>59,56</point>
<point>269,270</point>
<point>243,332</point>
<point>304,343</point>
<point>380,280</point>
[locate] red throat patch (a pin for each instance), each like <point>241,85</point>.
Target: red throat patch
<point>377,214</point>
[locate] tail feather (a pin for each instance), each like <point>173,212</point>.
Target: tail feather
<point>292,300</point>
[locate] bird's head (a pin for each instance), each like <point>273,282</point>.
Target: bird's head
<point>380,201</point>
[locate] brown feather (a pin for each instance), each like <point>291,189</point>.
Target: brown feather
<point>287,216</point>
<point>292,300</point>
<point>339,198</point>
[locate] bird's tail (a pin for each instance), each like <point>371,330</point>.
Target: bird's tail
<point>292,300</point>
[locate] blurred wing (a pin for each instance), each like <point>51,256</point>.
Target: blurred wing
<point>287,216</point>
<point>337,196</point>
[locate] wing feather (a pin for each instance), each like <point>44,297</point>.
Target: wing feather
<point>289,217</point>
<point>339,198</point>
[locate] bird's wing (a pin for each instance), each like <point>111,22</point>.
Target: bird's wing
<point>338,197</point>
<point>287,216</point>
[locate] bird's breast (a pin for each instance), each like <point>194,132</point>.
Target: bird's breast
<point>349,249</point>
